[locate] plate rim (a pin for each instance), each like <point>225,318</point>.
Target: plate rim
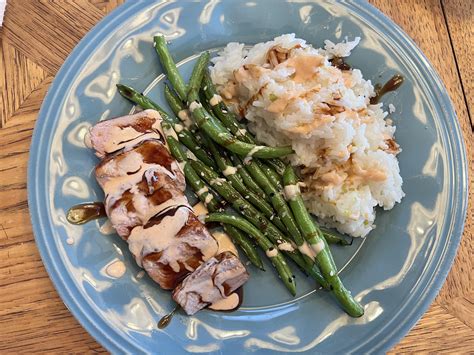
<point>99,329</point>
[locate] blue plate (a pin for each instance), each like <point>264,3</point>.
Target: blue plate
<point>396,272</point>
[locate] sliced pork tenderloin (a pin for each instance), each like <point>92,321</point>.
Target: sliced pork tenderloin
<point>211,282</point>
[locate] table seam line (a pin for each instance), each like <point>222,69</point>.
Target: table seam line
<point>457,65</point>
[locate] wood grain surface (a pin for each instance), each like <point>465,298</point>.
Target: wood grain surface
<point>36,38</point>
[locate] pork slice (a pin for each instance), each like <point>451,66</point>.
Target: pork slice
<point>214,280</point>
<point>138,183</point>
<point>110,136</point>
<point>172,258</point>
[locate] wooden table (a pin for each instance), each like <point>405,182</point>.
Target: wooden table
<point>36,38</point>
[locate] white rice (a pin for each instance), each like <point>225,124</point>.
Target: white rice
<point>344,145</point>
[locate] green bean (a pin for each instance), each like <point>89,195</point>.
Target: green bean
<point>144,102</point>
<point>242,241</point>
<point>225,166</point>
<point>180,111</point>
<point>173,101</point>
<point>213,128</point>
<point>271,250</point>
<point>230,121</point>
<point>334,238</point>
<point>206,196</point>
<point>185,136</point>
<point>202,192</point>
<point>277,164</point>
<point>277,201</point>
<point>170,67</point>
<point>196,77</point>
<point>220,109</point>
<point>271,174</point>
<point>232,196</point>
<point>246,177</point>
<point>319,246</point>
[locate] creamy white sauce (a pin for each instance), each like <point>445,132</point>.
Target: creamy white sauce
<point>162,238</point>
<point>190,155</point>
<point>202,190</point>
<point>116,269</point>
<point>208,199</point>
<point>229,170</point>
<point>272,252</point>
<point>242,131</point>
<point>285,246</point>
<point>126,136</point>
<point>194,105</point>
<point>115,186</point>
<point>207,281</point>
<point>202,218</point>
<point>225,243</point>
<point>215,99</point>
<point>201,282</point>
<point>199,209</point>
<point>226,303</point>
<point>318,247</point>
<point>217,181</point>
<point>170,132</point>
<point>184,116</point>
<point>107,228</point>
<point>122,137</point>
<point>145,209</point>
<point>181,166</point>
<point>158,237</point>
<point>250,154</point>
<point>306,250</point>
<point>291,192</point>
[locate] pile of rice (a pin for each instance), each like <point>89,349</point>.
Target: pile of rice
<point>292,95</point>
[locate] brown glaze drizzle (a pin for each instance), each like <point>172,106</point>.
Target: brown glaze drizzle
<point>339,63</point>
<point>391,85</point>
<point>85,212</point>
<point>167,212</point>
<point>166,320</point>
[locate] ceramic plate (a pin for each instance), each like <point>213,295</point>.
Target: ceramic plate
<point>395,272</point>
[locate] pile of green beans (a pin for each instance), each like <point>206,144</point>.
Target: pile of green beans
<point>253,180</point>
